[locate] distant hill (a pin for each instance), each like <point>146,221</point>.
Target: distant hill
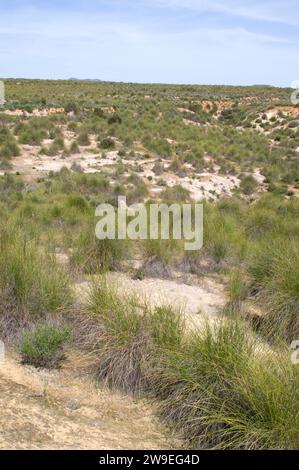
<point>85,79</point>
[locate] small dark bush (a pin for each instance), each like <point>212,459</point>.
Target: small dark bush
<point>115,119</point>
<point>83,139</point>
<point>44,346</point>
<point>107,143</point>
<point>248,185</point>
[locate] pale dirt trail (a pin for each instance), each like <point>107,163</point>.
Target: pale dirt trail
<point>65,410</point>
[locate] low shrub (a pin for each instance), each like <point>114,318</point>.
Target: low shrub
<point>114,119</point>
<point>8,145</point>
<point>32,136</point>
<point>44,346</point>
<point>248,185</point>
<point>9,149</point>
<point>107,143</point>
<point>138,193</point>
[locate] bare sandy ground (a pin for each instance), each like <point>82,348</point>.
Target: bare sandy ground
<point>285,110</point>
<point>32,165</point>
<point>65,410</point>
<point>206,298</point>
<point>204,184</point>
<point>197,302</point>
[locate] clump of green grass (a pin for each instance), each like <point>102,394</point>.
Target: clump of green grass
<point>274,267</point>
<point>92,255</point>
<point>224,238</point>
<point>248,185</point>
<point>139,192</point>
<point>44,346</point>
<point>74,148</point>
<point>83,139</point>
<point>8,145</point>
<point>238,286</point>
<point>221,390</point>
<point>165,251</point>
<point>121,341</point>
<point>31,283</point>
<point>78,202</point>
<point>176,194</point>
<point>114,119</point>
<point>71,107</point>
<point>128,332</point>
<point>218,385</point>
<point>54,148</point>
<point>32,136</point>
<point>9,149</point>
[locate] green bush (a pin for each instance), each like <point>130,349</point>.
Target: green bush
<point>107,143</point>
<point>32,136</point>
<point>9,149</point>
<point>71,107</point>
<point>78,202</point>
<point>126,331</point>
<point>138,193</point>
<point>44,346</point>
<point>114,119</point>
<point>98,112</point>
<point>248,185</point>
<point>8,145</point>
<point>55,147</point>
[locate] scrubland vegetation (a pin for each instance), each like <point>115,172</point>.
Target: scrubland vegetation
<point>227,384</point>
<point>220,385</point>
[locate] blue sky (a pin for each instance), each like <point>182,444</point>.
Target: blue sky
<point>170,41</point>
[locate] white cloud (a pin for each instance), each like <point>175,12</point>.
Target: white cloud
<point>51,43</point>
<point>94,26</point>
<point>265,10</point>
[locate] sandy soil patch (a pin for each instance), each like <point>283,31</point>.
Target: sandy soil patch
<point>199,302</point>
<point>36,112</point>
<point>287,110</point>
<point>64,410</point>
<point>202,185</point>
<point>31,163</point>
<point>185,110</point>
